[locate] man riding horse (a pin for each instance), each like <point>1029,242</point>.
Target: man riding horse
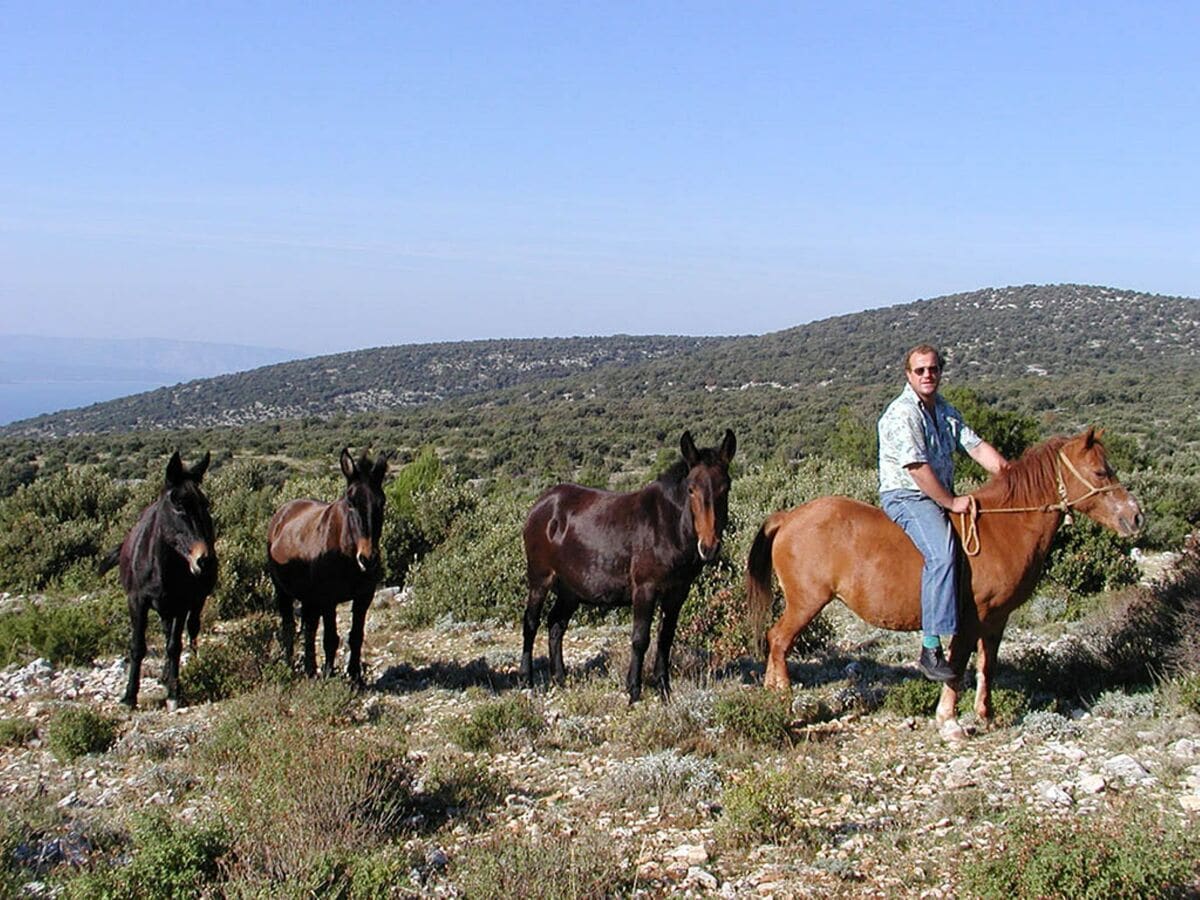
<point>918,433</point>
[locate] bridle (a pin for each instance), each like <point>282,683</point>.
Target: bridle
<point>969,521</point>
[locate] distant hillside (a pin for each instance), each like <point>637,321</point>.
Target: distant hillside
<point>359,381</point>
<point>1054,335</point>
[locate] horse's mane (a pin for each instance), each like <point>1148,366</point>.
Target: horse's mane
<point>1029,480</point>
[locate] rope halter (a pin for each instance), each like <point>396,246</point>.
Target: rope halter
<point>969,521</point>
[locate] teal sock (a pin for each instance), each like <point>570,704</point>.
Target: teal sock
<point>931,641</point>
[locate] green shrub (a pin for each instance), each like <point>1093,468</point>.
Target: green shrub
<point>423,503</point>
<point>479,571</point>
<point>767,808</point>
<point>242,661</point>
<point>76,730</point>
<point>15,732</point>
<point>587,864</point>
<point>1132,854</point>
<point>170,860</point>
<point>1188,688</point>
<point>912,697</point>
<point>759,715</point>
<point>66,632</point>
<point>467,785</point>
<point>1085,558</point>
<point>53,529</point>
<point>497,720</point>
<point>244,495</point>
<point>302,783</point>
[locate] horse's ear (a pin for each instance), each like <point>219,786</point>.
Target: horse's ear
<point>174,469</point>
<point>688,448</point>
<point>1089,437</point>
<point>197,471</point>
<point>379,469</point>
<point>728,446</point>
<point>347,462</point>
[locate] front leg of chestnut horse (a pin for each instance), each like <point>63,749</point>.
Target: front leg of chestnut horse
<point>671,604</point>
<point>947,719</point>
<point>358,618</point>
<point>643,613</point>
<point>985,668</point>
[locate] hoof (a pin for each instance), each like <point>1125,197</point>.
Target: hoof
<point>951,732</point>
<point>172,705</point>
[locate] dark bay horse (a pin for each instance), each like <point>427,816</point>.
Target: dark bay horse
<point>168,561</point>
<point>640,548</point>
<point>323,554</point>
<point>837,547</point>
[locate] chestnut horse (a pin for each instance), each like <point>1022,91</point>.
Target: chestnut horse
<point>838,547</point>
<point>323,554</point>
<point>640,548</point>
<point>167,561</point>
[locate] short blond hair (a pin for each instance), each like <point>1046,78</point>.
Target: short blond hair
<point>923,348</point>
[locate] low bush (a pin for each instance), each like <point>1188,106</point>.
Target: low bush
<point>169,860</point>
<point>767,808</point>
<point>1188,692</point>
<point>912,697</point>
<point>245,659</point>
<point>578,866</point>
<point>303,781</point>
<point>1086,558</point>
<point>66,632</point>
<point>451,783</point>
<point>1128,853</point>
<point>77,730</point>
<point>15,732</point>
<point>758,715</point>
<point>498,721</point>
<point>666,779</point>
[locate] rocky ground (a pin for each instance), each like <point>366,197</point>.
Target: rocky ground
<point>908,810</point>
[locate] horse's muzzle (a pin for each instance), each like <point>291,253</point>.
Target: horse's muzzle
<point>197,557</point>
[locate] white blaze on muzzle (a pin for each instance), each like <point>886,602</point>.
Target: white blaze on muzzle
<point>196,555</point>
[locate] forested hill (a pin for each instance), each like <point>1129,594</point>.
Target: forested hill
<point>1032,332</point>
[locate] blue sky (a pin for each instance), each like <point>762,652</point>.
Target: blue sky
<point>323,177</point>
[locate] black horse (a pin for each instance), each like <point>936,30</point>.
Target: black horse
<point>611,549</point>
<point>323,554</point>
<point>168,561</point>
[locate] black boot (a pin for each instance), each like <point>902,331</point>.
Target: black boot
<point>933,664</point>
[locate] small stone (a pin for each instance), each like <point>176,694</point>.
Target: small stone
<point>1092,784</point>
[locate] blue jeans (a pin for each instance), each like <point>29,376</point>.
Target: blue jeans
<point>929,527</point>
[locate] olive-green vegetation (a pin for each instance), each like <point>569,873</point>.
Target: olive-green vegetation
<point>1137,853</point>
<point>77,730</point>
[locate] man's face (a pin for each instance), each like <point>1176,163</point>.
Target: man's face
<point>924,374</point>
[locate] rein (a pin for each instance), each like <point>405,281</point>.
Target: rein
<point>969,521</point>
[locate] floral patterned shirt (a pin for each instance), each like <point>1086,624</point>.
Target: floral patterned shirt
<point>908,434</point>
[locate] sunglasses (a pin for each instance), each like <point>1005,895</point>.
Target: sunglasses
<point>932,370</point>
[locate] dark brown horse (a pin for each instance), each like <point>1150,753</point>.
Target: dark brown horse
<point>641,548</point>
<point>167,561</point>
<point>837,547</point>
<point>323,554</point>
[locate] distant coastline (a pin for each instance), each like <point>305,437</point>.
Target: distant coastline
<point>26,399</point>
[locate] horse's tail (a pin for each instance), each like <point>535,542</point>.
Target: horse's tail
<point>111,559</point>
<point>759,595</point>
